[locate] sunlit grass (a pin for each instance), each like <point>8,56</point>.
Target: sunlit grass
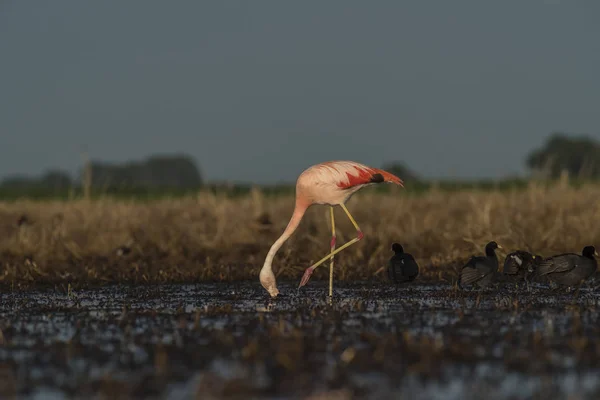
<point>212,236</point>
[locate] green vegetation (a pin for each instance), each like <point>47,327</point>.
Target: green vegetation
<point>579,156</point>
<point>41,193</point>
<point>575,160</point>
<point>156,177</point>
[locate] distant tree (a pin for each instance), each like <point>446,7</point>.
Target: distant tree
<point>578,155</point>
<point>180,171</point>
<point>176,171</point>
<point>402,171</point>
<point>52,179</point>
<point>18,181</point>
<point>55,179</point>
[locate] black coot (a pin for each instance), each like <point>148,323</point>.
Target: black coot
<point>569,269</point>
<point>480,270</point>
<point>402,267</point>
<point>521,264</point>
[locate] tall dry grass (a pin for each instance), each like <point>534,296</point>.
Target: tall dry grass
<point>213,237</point>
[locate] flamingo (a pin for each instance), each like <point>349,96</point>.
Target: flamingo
<point>329,183</point>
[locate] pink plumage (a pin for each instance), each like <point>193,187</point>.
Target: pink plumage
<point>331,183</point>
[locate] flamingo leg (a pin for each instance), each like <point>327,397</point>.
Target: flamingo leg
<point>310,269</point>
<point>332,249</point>
<point>360,234</point>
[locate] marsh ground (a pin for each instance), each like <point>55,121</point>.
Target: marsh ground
<point>159,299</point>
<point>228,340</point>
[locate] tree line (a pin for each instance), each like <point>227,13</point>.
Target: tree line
<point>576,155</point>
<point>160,171</point>
<point>579,156</point>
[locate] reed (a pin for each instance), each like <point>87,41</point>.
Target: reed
<point>217,237</point>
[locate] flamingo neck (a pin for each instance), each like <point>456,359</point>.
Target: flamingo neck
<point>299,211</point>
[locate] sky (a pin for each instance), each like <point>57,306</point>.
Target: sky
<point>257,91</point>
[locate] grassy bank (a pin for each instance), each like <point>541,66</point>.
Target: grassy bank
<point>41,193</point>
<point>218,237</point>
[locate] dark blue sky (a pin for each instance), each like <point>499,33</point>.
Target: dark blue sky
<point>260,90</point>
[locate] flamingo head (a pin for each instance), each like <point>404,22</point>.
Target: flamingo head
<point>267,280</point>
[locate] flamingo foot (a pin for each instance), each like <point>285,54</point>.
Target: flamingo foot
<point>306,276</point>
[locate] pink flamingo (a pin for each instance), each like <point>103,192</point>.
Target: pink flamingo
<point>332,183</point>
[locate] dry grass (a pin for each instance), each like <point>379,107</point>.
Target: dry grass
<point>218,238</point>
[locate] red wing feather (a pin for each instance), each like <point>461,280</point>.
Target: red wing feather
<point>362,177</point>
<point>368,175</point>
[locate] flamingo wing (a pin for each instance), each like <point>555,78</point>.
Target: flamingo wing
<point>350,174</point>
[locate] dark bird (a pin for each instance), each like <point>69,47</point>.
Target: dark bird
<point>402,267</point>
<point>23,220</point>
<point>480,270</point>
<point>522,264</point>
<point>569,269</point>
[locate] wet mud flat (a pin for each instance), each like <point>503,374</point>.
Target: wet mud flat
<point>229,340</point>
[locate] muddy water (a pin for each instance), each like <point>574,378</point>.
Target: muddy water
<point>229,340</point>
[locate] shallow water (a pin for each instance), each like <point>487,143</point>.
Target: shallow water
<point>229,340</point>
